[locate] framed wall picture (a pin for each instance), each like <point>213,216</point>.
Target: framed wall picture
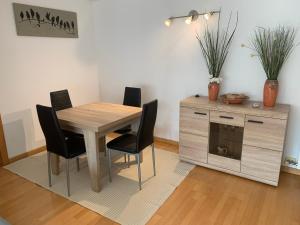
<point>44,22</point>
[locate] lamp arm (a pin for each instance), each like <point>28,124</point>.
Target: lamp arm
<point>198,14</point>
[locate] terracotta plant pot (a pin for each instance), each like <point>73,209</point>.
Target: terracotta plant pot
<point>270,92</point>
<point>213,91</point>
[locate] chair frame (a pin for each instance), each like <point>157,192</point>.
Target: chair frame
<point>144,138</point>
<point>67,170</point>
<point>44,113</point>
<point>138,158</point>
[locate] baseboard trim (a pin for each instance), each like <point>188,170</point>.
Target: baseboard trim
<point>43,148</point>
<point>285,169</point>
<point>290,170</point>
<point>166,141</point>
<point>27,154</point>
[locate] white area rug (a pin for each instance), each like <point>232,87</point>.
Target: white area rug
<point>120,200</point>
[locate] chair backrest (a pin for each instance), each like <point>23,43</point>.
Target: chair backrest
<point>145,135</point>
<point>55,139</point>
<point>60,100</point>
<point>132,97</point>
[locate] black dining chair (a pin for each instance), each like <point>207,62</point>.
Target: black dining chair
<point>61,100</point>
<point>56,142</point>
<point>134,144</point>
<point>132,97</point>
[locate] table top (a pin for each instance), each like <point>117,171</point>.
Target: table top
<point>280,111</point>
<point>98,117</point>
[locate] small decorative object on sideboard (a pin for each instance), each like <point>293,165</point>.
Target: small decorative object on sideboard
<point>255,105</point>
<point>234,98</point>
<point>215,46</point>
<point>214,89</point>
<point>273,47</point>
<point>222,150</point>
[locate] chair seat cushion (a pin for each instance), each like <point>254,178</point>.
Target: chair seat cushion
<point>69,134</point>
<point>124,130</point>
<point>124,143</point>
<point>76,146</point>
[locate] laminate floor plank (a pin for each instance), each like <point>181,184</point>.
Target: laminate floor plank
<point>205,197</point>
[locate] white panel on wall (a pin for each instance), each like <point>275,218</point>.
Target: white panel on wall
<point>136,49</point>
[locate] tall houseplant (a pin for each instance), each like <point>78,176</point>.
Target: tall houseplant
<point>273,47</point>
<point>214,47</point>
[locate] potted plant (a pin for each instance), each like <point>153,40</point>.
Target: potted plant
<point>214,47</point>
<point>273,47</point>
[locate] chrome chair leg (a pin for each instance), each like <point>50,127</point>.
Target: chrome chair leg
<point>109,164</point>
<point>68,176</point>
<point>49,168</point>
<point>153,159</point>
<point>139,171</point>
<point>77,164</point>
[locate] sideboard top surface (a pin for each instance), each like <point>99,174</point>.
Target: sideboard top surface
<point>280,111</point>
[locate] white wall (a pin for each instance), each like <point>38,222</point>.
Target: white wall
<point>136,49</point>
<point>31,67</point>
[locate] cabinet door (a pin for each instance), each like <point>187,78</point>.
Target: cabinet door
<point>193,147</point>
<point>261,163</point>
<point>224,162</point>
<point>194,121</point>
<point>264,132</point>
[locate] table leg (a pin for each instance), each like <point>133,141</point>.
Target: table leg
<point>141,156</point>
<point>102,144</point>
<point>54,163</point>
<point>92,149</point>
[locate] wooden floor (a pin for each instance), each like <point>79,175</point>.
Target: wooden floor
<point>205,197</point>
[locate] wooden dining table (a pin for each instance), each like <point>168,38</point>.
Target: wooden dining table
<point>95,121</point>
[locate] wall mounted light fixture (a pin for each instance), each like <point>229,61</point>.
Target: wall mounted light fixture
<point>191,17</point>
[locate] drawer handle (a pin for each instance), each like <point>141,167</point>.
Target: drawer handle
<point>199,113</point>
<point>227,117</point>
<point>255,121</point>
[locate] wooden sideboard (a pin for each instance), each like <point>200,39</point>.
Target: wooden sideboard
<point>237,139</point>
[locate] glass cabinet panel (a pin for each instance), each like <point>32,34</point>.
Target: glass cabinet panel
<point>226,140</point>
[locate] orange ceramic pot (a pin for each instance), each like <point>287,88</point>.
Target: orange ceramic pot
<point>270,92</point>
<point>213,91</point>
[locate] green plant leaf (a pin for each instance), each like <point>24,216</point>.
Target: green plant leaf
<point>273,47</point>
<point>215,46</point>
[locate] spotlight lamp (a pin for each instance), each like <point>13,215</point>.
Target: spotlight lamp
<point>168,22</point>
<point>191,17</point>
<point>207,15</point>
<point>188,20</point>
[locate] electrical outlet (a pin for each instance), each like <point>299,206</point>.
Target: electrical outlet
<point>291,160</point>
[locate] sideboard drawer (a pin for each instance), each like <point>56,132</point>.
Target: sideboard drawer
<point>264,132</point>
<point>193,147</point>
<point>261,163</point>
<point>233,119</point>
<point>194,121</point>
<point>223,162</point>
